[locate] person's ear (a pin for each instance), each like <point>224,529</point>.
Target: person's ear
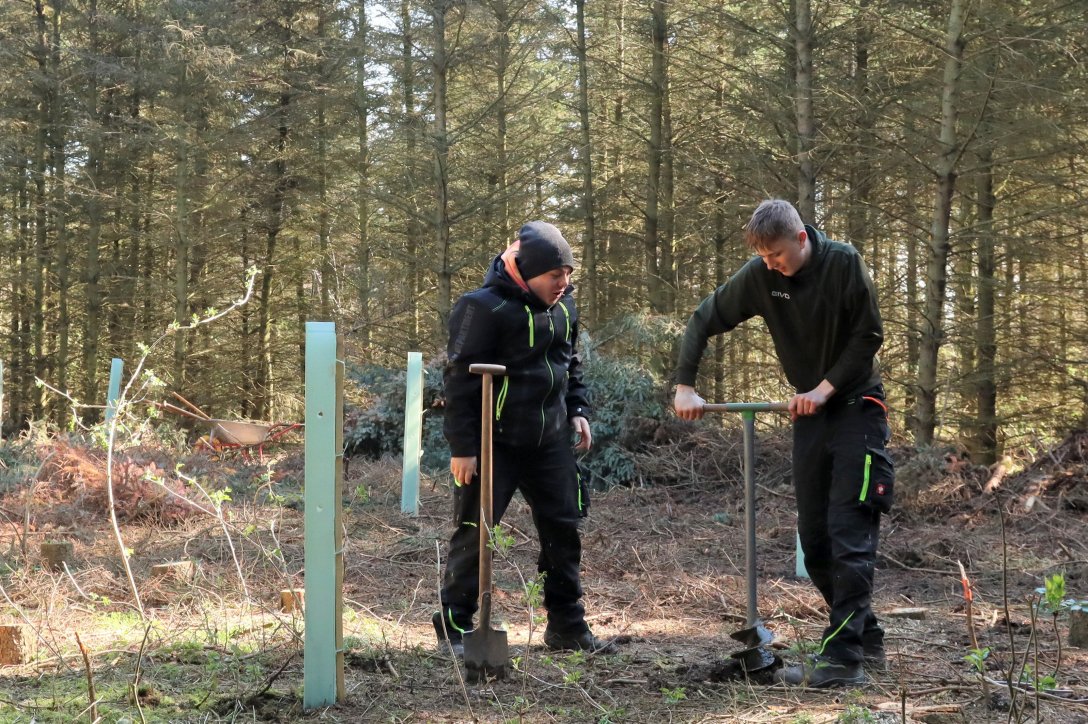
<point>802,237</point>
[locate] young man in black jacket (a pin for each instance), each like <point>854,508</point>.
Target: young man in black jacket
<point>523,318</point>
<point>820,307</point>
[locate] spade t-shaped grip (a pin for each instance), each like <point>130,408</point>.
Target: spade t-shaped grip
<point>482,369</point>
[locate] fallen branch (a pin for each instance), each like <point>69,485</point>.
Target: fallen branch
<point>249,700</point>
<point>90,680</point>
<point>996,479</point>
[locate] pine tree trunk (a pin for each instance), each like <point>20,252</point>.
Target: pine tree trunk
<point>806,119</point>
<point>861,168</point>
<point>181,256</point>
<point>502,63</point>
<point>617,174</point>
<point>413,230</point>
<point>654,153</point>
<point>585,156</point>
<point>58,163</point>
<point>440,159</point>
<point>42,256</point>
<point>986,330</point>
<point>667,266</point>
<point>938,251</point>
<point>362,178</point>
<point>92,271</point>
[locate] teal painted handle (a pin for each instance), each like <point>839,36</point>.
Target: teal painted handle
<point>746,407</point>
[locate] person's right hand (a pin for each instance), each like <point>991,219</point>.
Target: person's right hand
<point>463,469</point>
<point>687,403</point>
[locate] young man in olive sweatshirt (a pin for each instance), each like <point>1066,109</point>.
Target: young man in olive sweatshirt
<point>524,318</point>
<point>820,307</point>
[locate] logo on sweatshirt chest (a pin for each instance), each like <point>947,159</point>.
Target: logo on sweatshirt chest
<point>780,295</point>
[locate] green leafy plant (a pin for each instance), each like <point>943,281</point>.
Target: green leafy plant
<point>1050,598</point>
<point>854,714</point>
<point>977,659</point>
<point>534,591</point>
<point>500,540</point>
<point>674,695</point>
<point>1030,677</point>
<point>612,716</point>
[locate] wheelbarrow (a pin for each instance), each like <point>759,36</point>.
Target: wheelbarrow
<point>755,636</point>
<point>240,435</point>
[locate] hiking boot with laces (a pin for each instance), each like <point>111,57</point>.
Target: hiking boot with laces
<point>820,672</point>
<point>450,637</point>
<point>578,641</point>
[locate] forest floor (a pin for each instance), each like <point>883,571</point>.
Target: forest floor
<point>663,573</point>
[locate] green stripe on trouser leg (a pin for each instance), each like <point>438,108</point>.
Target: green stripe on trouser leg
<point>865,478</point>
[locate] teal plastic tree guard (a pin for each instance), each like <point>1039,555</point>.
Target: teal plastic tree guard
<point>413,435</point>
<point>800,571</point>
<point>115,387</point>
<point>323,648</point>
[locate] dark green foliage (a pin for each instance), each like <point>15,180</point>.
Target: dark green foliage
<point>15,463</point>
<point>374,425</point>
<point>623,392</point>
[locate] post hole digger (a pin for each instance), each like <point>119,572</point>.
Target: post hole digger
<point>487,653</point>
<point>755,636</point>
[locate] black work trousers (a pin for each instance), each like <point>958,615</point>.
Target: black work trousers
<point>843,479</point>
<point>547,478</point>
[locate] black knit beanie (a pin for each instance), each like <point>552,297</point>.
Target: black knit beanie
<point>542,249</point>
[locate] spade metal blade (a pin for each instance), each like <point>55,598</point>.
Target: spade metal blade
<point>486,653</point>
<point>756,634</point>
<point>755,659</point>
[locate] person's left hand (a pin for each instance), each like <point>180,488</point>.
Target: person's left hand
<point>581,429</point>
<point>807,403</point>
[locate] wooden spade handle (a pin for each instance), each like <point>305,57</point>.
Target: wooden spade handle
<point>486,504</point>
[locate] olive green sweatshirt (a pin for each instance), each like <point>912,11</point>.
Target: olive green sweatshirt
<point>824,320</point>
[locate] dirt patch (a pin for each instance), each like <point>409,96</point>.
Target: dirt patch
<point>663,573</point>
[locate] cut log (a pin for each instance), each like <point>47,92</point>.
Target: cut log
<point>1078,628</point>
<point>908,612</point>
<point>17,644</point>
<point>177,570</point>
<point>292,599</point>
<point>55,554</point>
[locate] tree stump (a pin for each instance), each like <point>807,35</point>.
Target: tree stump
<point>17,644</point>
<point>1078,628</point>
<point>57,553</point>
<point>292,600</point>
<point>177,570</point>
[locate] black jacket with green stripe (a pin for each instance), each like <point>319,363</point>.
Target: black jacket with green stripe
<point>500,323</point>
<point>824,320</point>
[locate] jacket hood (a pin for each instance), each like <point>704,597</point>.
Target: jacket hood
<point>503,275</point>
<point>819,247</point>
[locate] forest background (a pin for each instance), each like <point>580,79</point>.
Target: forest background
<point>368,158</point>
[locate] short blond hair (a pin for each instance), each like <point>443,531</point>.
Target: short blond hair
<point>772,220</point>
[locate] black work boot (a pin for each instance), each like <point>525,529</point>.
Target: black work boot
<point>583,640</point>
<point>875,658</point>
<point>449,636</point>
<point>820,672</point>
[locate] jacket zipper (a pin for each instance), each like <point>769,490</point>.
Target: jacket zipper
<point>551,378</point>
